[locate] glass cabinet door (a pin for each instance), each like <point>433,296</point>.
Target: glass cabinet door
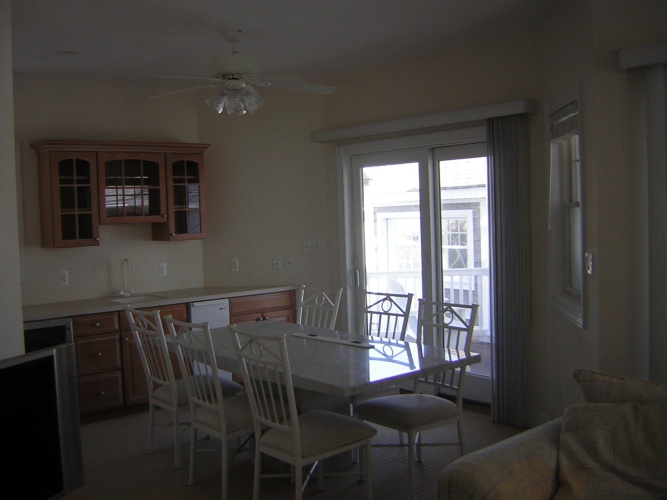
<point>131,188</point>
<point>185,198</point>
<point>74,200</point>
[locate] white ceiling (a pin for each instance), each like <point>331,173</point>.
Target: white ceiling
<point>314,39</point>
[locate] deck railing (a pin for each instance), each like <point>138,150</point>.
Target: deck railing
<point>459,285</point>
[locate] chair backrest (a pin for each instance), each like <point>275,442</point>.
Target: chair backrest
<point>268,382</point>
<point>196,357</point>
<point>317,307</point>
<point>386,314</point>
<point>450,326</point>
<point>152,346</point>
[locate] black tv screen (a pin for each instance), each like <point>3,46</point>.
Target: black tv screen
<point>40,422</point>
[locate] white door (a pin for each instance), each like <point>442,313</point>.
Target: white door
<point>421,226</point>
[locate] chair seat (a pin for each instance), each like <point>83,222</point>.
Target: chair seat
<point>406,411</point>
<point>321,431</point>
<point>237,415</point>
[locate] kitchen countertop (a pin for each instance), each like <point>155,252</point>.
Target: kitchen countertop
<point>54,310</point>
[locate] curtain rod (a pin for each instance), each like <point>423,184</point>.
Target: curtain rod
<point>435,120</point>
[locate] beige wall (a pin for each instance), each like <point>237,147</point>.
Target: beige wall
<point>271,187</point>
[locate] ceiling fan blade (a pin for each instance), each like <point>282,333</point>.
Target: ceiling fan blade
<point>208,78</point>
<point>180,91</point>
<point>289,82</point>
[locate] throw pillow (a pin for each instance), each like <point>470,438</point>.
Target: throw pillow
<point>613,450</point>
<point>600,388</point>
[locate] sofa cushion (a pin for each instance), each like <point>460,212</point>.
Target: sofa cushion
<point>600,388</point>
<point>613,450</point>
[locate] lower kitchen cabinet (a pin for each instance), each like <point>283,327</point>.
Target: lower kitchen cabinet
<point>279,306</point>
<point>98,361</point>
<point>109,369</point>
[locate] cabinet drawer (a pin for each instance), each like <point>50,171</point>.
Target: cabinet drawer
<point>99,353</point>
<point>285,315</point>
<point>93,324</point>
<point>101,392</point>
<point>261,303</point>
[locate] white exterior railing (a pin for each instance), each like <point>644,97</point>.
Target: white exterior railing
<point>459,285</point>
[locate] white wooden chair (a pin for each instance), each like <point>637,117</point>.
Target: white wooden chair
<point>317,307</point>
<point>280,432</point>
<point>164,390</point>
<point>386,314</point>
<point>439,324</point>
<point>212,410</point>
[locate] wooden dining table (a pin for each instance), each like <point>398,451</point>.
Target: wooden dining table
<point>340,363</point>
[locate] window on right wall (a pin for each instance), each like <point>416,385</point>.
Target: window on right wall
<point>566,214</point>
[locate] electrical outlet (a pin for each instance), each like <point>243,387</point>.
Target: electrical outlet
<point>235,264</point>
<point>314,246</point>
<point>163,268</point>
<point>64,277</point>
<point>288,263</point>
<point>277,263</point>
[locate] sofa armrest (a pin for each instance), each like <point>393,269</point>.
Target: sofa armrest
<point>523,466</point>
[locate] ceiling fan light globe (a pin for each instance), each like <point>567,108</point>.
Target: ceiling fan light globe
<point>217,102</point>
<point>234,106</point>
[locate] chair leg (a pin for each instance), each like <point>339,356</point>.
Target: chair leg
<point>411,464</point>
<point>177,441</point>
<point>298,482</point>
<point>419,447</point>
<point>193,452</point>
<point>258,472</point>
<point>458,426</point>
<point>224,468</point>
<point>151,424</point>
<point>369,470</point>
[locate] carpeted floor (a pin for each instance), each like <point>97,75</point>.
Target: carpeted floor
<point>118,465</point>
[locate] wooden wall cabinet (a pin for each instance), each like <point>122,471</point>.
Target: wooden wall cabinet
<point>131,187</point>
<point>279,305</point>
<point>186,219</point>
<point>86,183</point>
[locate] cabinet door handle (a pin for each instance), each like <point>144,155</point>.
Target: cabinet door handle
<point>99,354</point>
<point>97,324</point>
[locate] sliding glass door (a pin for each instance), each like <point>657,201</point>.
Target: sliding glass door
<point>420,219</point>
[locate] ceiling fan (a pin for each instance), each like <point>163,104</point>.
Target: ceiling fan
<point>234,76</point>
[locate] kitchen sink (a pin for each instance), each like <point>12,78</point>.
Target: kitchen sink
<point>136,298</point>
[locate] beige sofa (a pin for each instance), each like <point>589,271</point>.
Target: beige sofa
<point>612,446</point>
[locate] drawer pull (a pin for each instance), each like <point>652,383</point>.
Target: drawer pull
<point>101,393</point>
<point>97,324</point>
<point>99,354</point>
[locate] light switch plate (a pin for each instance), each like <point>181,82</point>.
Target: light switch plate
<point>588,258</point>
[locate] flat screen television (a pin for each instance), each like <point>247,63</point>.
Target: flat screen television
<point>41,440</point>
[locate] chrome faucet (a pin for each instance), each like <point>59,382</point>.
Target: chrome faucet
<point>125,292</point>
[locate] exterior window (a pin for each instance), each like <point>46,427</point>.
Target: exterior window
<point>565,222</point>
<point>455,241</point>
